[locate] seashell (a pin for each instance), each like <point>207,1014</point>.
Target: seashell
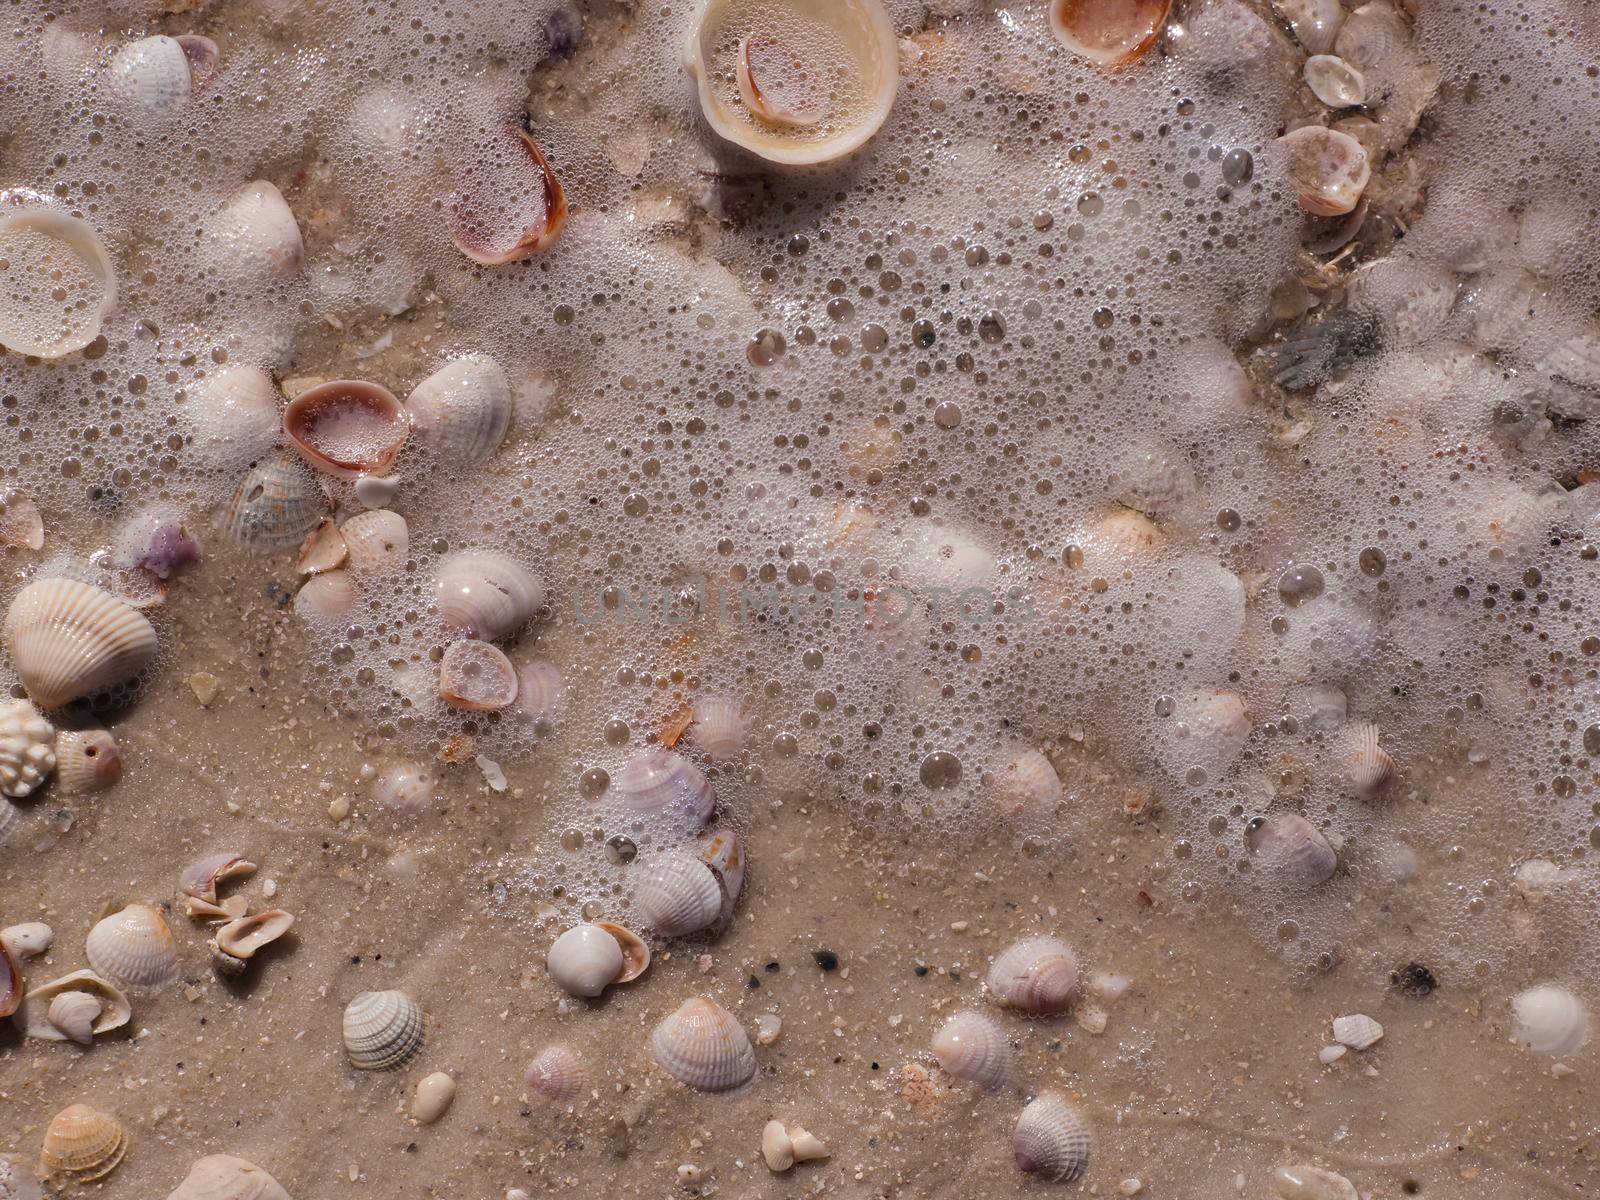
<point>1358,1031</point>
<point>432,1098</point>
<point>21,526</point>
<point>1329,169</point>
<point>1291,848</point>
<point>462,410</point>
<point>200,879</point>
<point>234,417</point>
<point>723,851</point>
<point>486,595</point>
<point>331,596</point>
<point>347,427</point>
<point>585,960</point>
<point>27,940</point>
<point>134,948</point>
<point>1535,879</point>
<point>382,1030</point>
<point>1549,1020</point>
<point>719,727</point>
<point>256,232</point>
<point>10,819</point>
<point>678,894</point>
<point>1335,82</point>
<point>1025,781</point>
<point>476,676</point>
<point>405,787</point>
<point>69,640</point>
<point>1211,730</point>
<point>77,1006</point>
<point>1051,1139</point>
<point>556,1073</point>
<point>27,748</point>
<point>658,781</point>
<point>758,70</point>
<point>635,954</point>
<point>157,541</point>
<point>224,963</point>
<point>1300,1181</point>
<point>378,541</point>
<point>276,504</point>
<point>73,1014</point>
<point>82,1144</point>
<point>10,982</point>
<point>224,1177</point>
<point>1366,764</point>
<point>242,938</point>
<point>323,550</point>
<point>502,220</point>
<point>541,694</point>
<point>154,77</point>
<point>1315,22</point>
<point>781,1148</point>
<point>1109,33</point>
<point>971,1046</point>
<point>701,1044</point>
<point>1036,975</point>
<point>60,283</point>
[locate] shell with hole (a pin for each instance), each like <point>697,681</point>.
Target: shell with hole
<point>972,1046</point>
<point>82,1144</point>
<point>658,782</point>
<point>588,958</point>
<point>377,541</point>
<point>88,760</point>
<point>27,748</point>
<point>1108,33</point>
<point>702,1045</point>
<point>462,411</point>
<point>134,948</point>
<point>486,595</point>
<point>39,1017</point>
<point>383,1030</point>
<point>1037,976</point>
<point>556,1073</point>
<point>277,503</point>
<point>69,640</point>
<point>224,1177</point>
<point>1051,1140</point>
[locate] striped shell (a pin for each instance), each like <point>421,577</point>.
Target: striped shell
<point>1026,781</point>
<point>462,411</point>
<point>678,894</point>
<point>383,1030</point>
<point>87,760</point>
<point>541,692</point>
<point>233,417</point>
<point>1367,765</point>
<point>27,748</point>
<point>585,960</point>
<point>36,1017</point>
<point>972,1046</point>
<point>556,1073</point>
<point>69,640</point>
<point>486,595</point>
<point>134,948</point>
<point>1051,1140</point>
<point>1315,22</point>
<point>1291,848</point>
<point>152,76</point>
<point>702,1045</point>
<point>1550,1020</point>
<point>224,1177</point>
<point>276,504</point>
<point>477,677</point>
<point>377,540</point>
<point>719,728</point>
<point>73,1015</point>
<point>658,781</point>
<point>1036,975</point>
<point>82,1144</point>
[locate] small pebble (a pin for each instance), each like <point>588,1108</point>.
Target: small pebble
<point>768,1027</point>
<point>433,1098</point>
<point>689,1173</point>
<point>826,959</point>
<point>205,686</point>
<point>339,809</point>
<point>1130,1187</point>
<point>1331,1054</point>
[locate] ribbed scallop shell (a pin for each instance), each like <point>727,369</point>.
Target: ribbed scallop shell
<point>1291,848</point>
<point>152,76</point>
<point>82,1144</point>
<point>377,541</point>
<point>486,595</point>
<point>1550,1020</point>
<point>34,1017</point>
<point>477,677</point>
<point>585,960</point>
<point>658,781</point>
<point>68,640</point>
<point>1036,975</point>
<point>224,1177</point>
<point>276,504</point>
<point>1051,1140</point>
<point>134,948</point>
<point>972,1046</point>
<point>1367,764</point>
<point>678,894</point>
<point>27,748</point>
<point>73,1014</point>
<point>556,1073</point>
<point>1026,781</point>
<point>702,1045</point>
<point>87,760</point>
<point>462,411</point>
<point>383,1030</point>
<point>233,417</point>
<point>720,727</point>
<point>257,233</point>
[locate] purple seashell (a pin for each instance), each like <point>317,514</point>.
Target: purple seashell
<point>563,29</point>
<point>158,541</point>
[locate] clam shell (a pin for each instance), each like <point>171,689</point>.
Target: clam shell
<point>497,227</point>
<point>972,1046</point>
<point>405,787</point>
<point>702,1045</point>
<point>556,1073</point>
<point>82,1144</point>
<point>635,954</point>
<point>1026,781</point>
<point>68,640</point>
<point>256,232</point>
<point>275,505</point>
<point>1291,848</point>
<point>27,940</point>
<point>21,526</point>
<point>87,761</point>
<point>1300,1181</point>
<point>432,1098</point>
<point>200,879</point>
<point>224,1177</point>
<point>1549,1020</point>
<point>541,693</point>
<point>486,595</point>
<point>1335,82</point>
<point>378,541</point>
<point>1109,33</point>
<point>678,894</point>
<point>1036,975</point>
<point>658,781</point>
<point>719,727</point>
<point>476,676</point>
<point>134,948</point>
<point>152,77</point>
<point>382,1030</point>
<point>10,982</point>
<point>462,411</point>
<point>1358,1031</point>
<point>1315,22</point>
<point>1051,1140</point>
<point>323,550</point>
<point>27,748</point>
<point>1329,169</point>
<point>585,960</point>
<point>347,427</point>
<point>329,597</point>
<point>242,938</point>
<point>233,417</point>
<point>1367,765</point>
<point>73,1015</point>
<point>55,249</point>
<point>723,851</point>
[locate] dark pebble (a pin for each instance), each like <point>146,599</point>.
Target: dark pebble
<point>752,982</point>
<point>826,959</point>
<point>771,968</point>
<point>1414,979</point>
<point>921,970</point>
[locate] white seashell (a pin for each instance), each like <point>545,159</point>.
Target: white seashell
<point>27,940</point>
<point>1300,1181</point>
<point>476,676</point>
<point>1329,169</point>
<point>1358,1031</point>
<point>275,505</point>
<point>782,1148</point>
<point>200,879</point>
<point>1329,1055</point>
<point>134,948</point>
<point>73,1014</point>
<point>737,54</point>
<point>700,1044</point>
<point>69,640</point>
<point>406,787</point>
<point>378,541</point>
<point>486,595</point>
<point>81,1145</point>
<point>377,491</point>
<point>224,1177</point>
<point>556,1073</point>
<point>1335,82</point>
<point>10,982</point>
<point>723,851</point>
<point>45,246</point>
<point>152,77</point>
<point>27,748</point>
<point>257,234</point>
<point>1108,35</point>
<point>323,550</point>
<point>382,1030</point>
<point>1315,22</point>
<point>1536,879</point>
<point>1051,1140</point>
<point>1366,764</point>
<point>1036,975</point>
<point>1549,1020</point>
<point>678,894</point>
<point>541,694</point>
<point>719,727</point>
<point>768,1027</point>
<point>972,1046</point>
<point>21,526</point>
<point>658,781</point>
<point>1025,781</point>
<point>234,417</point>
<point>1291,848</point>
<point>463,410</point>
<point>327,598</point>
<point>433,1098</point>
<point>585,960</point>
<point>242,938</point>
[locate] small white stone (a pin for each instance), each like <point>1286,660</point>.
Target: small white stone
<point>1358,1031</point>
<point>1131,1187</point>
<point>1091,1017</point>
<point>375,491</point>
<point>517,1194</point>
<point>1332,1054</point>
<point>768,1026</point>
<point>689,1173</point>
<point>1109,987</point>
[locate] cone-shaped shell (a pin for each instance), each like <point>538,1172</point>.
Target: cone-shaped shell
<point>382,1030</point>
<point>68,640</point>
<point>585,960</point>
<point>34,1017</point>
<point>275,505</point>
<point>486,595</point>
<point>134,948</point>
<point>347,427</point>
<point>1108,33</point>
<point>702,1045</point>
<point>87,761</point>
<point>27,748</point>
<point>658,781</point>
<point>972,1046</point>
<point>1051,1140</point>
<point>377,541</point>
<point>1036,975</point>
<point>678,894</point>
<point>556,1073</point>
<point>82,1144</point>
<point>242,938</point>
<point>223,1177</point>
<point>52,251</point>
<point>462,411</point>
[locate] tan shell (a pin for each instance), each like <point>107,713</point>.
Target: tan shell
<point>347,427</point>
<point>432,1098</point>
<point>27,748</point>
<point>1329,169</point>
<point>134,948</point>
<point>1036,975</point>
<point>1109,33</point>
<point>323,550</point>
<point>972,1046</point>
<point>87,761</point>
<point>200,879</point>
<point>476,676</point>
<point>1051,1140</point>
<point>486,595</point>
<point>383,1030</point>
<point>276,504</point>
<point>224,1177</point>
<point>68,640</point>
<point>556,1073</point>
<point>10,982</point>
<point>701,1044</point>
<point>81,1145</point>
<point>489,231</point>
<point>378,541</point>
<point>37,241</point>
<point>635,954</point>
<point>242,938</point>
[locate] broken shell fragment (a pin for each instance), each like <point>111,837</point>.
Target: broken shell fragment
<point>134,948</point>
<point>1036,976</point>
<point>68,640</point>
<point>656,781</point>
<point>1329,169</point>
<point>82,1144</point>
<point>323,550</point>
<point>432,1098</point>
<point>224,1177</point>
<point>486,595</point>
<point>1358,1031</point>
<point>38,1015</point>
<point>702,1045</point>
<point>723,851</point>
<point>1109,33</point>
<point>201,879</point>
<point>10,982</point>
<point>1289,847</point>
<point>556,1073</point>
<point>347,427</point>
<point>382,1030</point>
<point>782,1147</point>
<point>972,1046</point>
<point>500,220</point>
<point>242,938</point>
<point>60,284</point>
<point>1051,1140</point>
<point>1335,82</point>
<point>462,411</point>
<point>1300,1181</point>
<point>585,960</point>
<point>476,676</point>
<point>27,748</point>
<point>1549,1020</point>
<point>777,83</point>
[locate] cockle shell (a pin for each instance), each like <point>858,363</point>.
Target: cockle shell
<point>585,960</point>
<point>21,525</point>
<point>1025,781</point>
<point>201,879</point>
<point>719,727</point>
<point>60,284</point>
<point>1108,33</point>
<point>476,676</point>
<point>134,948</point>
<point>224,1177</point>
<point>702,1045</point>
<point>382,1030</point>
<point>329,597</point>
<point>68,640</point>
<point>275,505</point>
<point>432,1098</point>
<point>1315,22</point>
<point>347,427</point>
<point>556,1073</point>
<point>36,1016</point>
<point>972,1046</point>
<point>10,982</point>
<point>654,781</point>
<point>486,595</point>
<point>406,787</point>
<point>1329,169</point>
<point>1549,1020</point>
<point>73,1014</point>
<point>323,550</point>
<point>513,212</point>
<point>27,748</point>
<point>1036,975</point>
<point>782,1147</point>
<point>377,540</point>
<point>1358,1031</point>
<point>256,232</point>
<point>234,416</point>
<point>462,411</point>
<point>1335,82</point>
<point>1051,1139</point>
<point>27,940</point>
<point>678,894</point>
<point>242,938</point>
<point>1366,764</point>
<point>82,1144</point>
<point>1291,848</point>
<point>156,76</point>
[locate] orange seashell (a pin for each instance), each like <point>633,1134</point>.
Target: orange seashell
<point>347,427</point>
<point>1109,33</point>
<point>497,230</point>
